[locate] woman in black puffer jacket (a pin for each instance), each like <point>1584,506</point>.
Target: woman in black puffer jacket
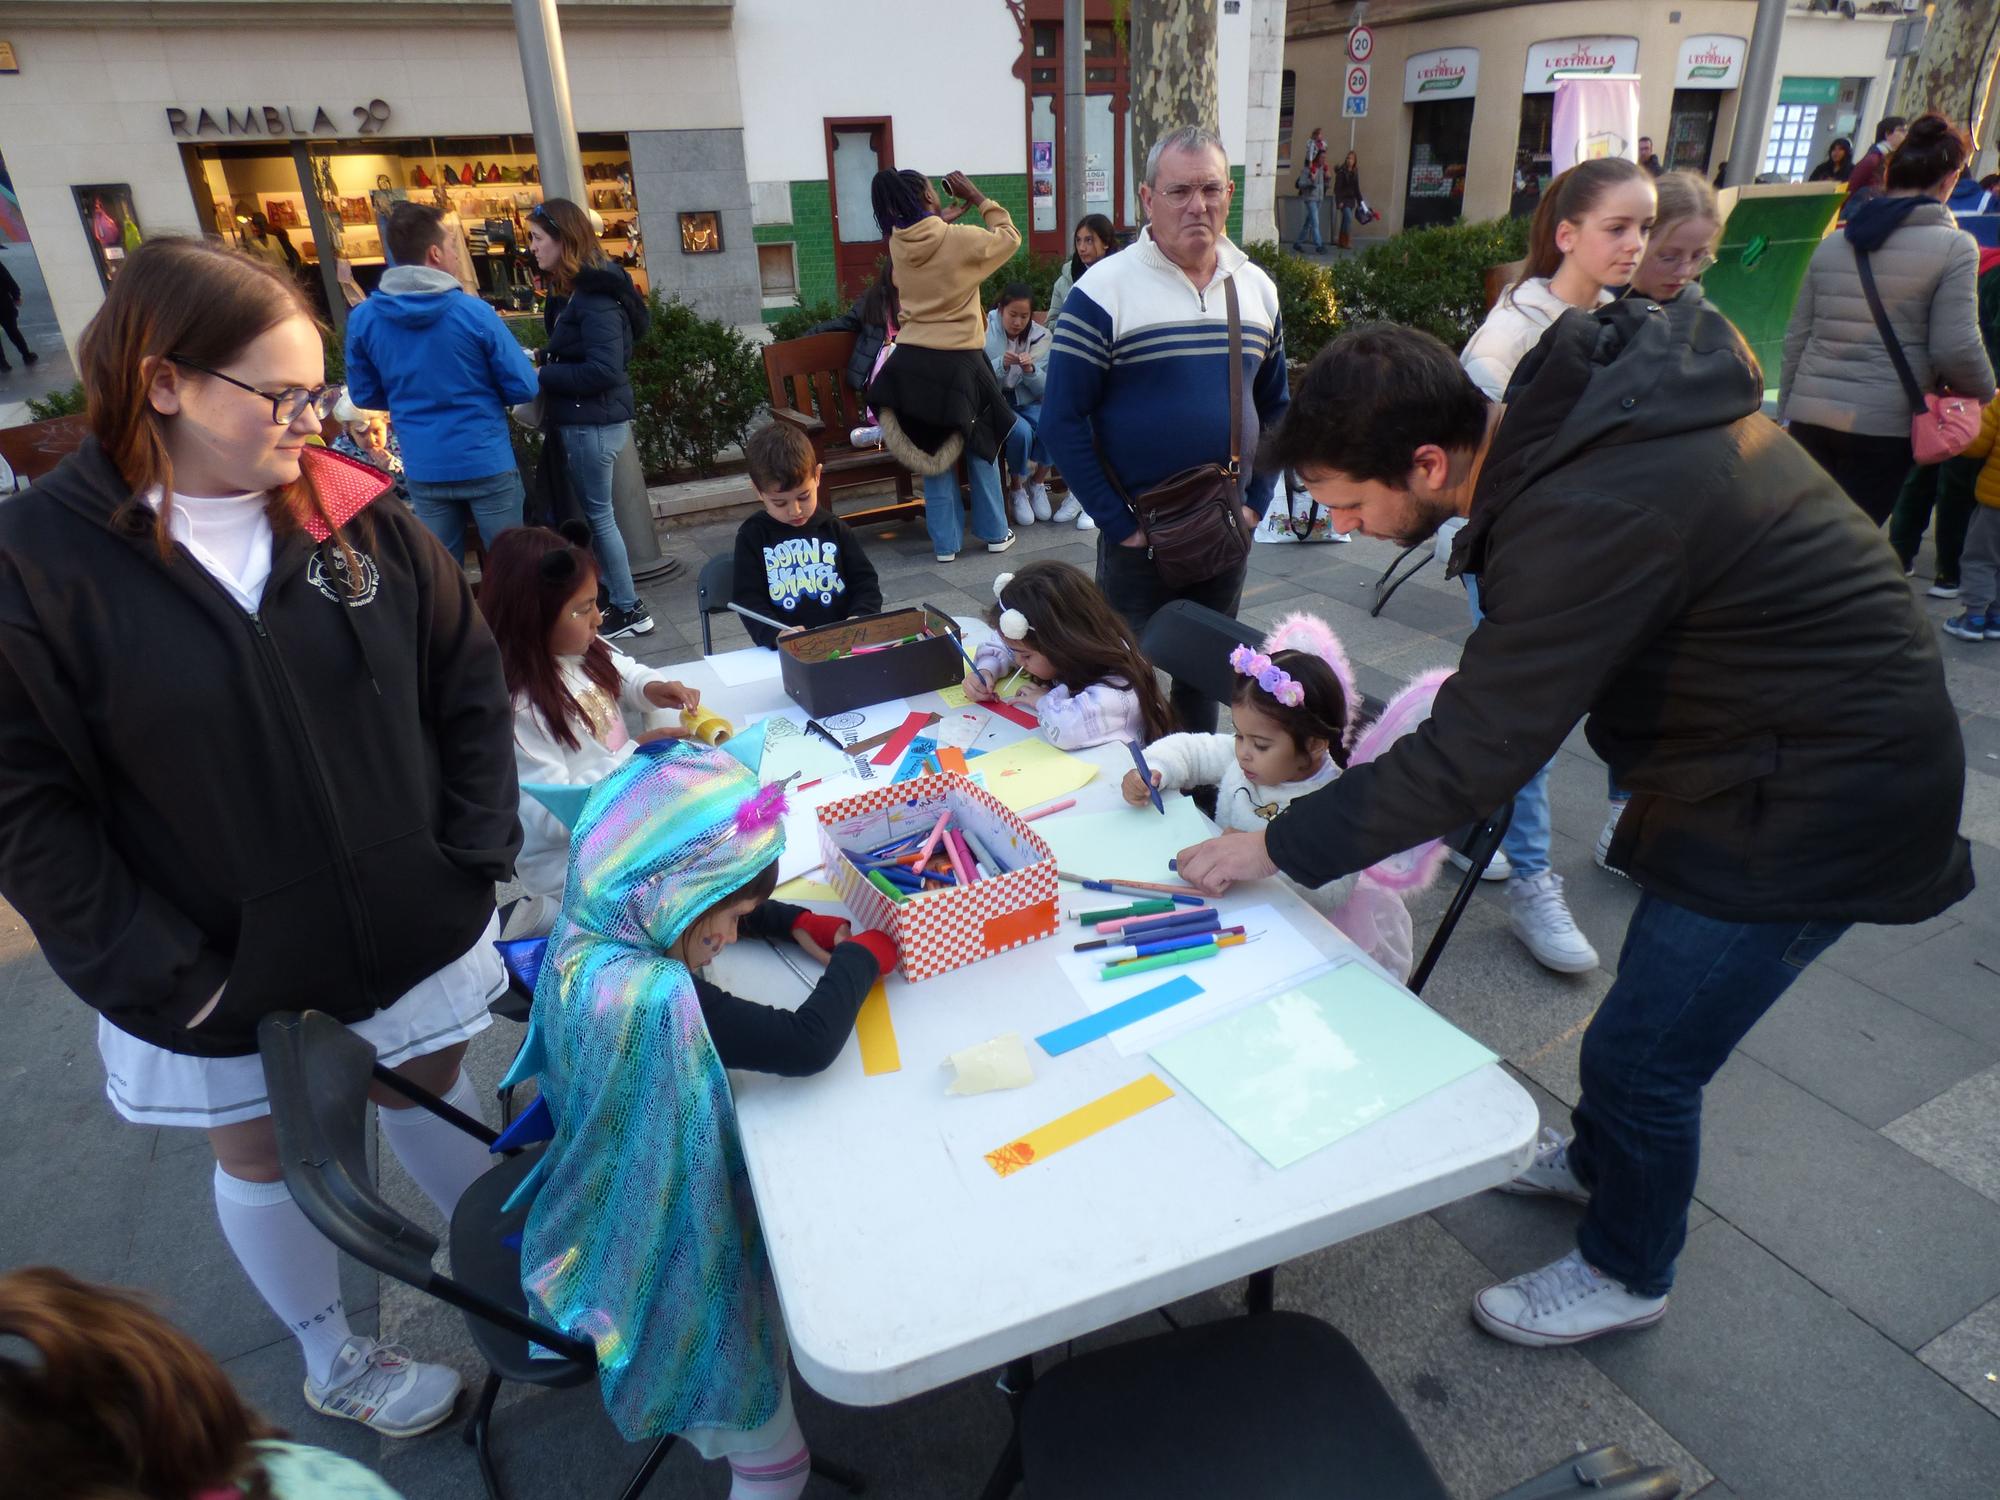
<point>594,316</point>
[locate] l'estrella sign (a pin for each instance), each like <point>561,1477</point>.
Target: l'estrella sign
<point>1710,62</point>
<point>1447,73</point>
<point>1578,54</point>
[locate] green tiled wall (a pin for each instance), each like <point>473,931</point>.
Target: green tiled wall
<point>1236,206</point>
<point>811,232</point>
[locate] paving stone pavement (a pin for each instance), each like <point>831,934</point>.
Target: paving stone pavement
<point>1835,1331</point>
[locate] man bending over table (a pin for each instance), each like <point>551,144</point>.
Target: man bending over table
<point>1655,554</point>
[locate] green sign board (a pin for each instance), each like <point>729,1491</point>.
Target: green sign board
<point>1762,261</point>
<point>1809,91</point>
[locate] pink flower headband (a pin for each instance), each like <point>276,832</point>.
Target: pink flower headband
<point>1272,678</point>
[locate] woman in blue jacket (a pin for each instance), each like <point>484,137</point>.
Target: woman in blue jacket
<point>594,316</point>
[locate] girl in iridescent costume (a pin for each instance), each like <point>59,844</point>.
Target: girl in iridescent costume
<point>643,1235</point>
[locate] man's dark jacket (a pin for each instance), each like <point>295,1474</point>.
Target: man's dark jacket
<point>1654,553</point>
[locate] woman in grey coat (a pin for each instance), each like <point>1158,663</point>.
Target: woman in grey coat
<point>1838,390</point>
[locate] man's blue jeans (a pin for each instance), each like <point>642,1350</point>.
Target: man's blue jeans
<point>1527,840</point>
<point>495,503</point>
<point>590,457</point>
<point>1689,987</point>
<point>1310,225</point>
<point>941,513</point>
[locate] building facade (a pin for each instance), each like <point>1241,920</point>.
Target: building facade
<point>1460,97</point>
<point>727,144</point>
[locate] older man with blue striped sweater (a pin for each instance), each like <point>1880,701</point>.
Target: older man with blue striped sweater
<point>1137,384</point>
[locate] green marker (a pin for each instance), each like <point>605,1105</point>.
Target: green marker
<point>1119,913</point>
<point>881,883</point>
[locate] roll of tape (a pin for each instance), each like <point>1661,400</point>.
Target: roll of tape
<point>706,725</point>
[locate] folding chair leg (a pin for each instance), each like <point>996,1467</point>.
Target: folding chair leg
<point>652,1462</point>
<point>1261,1295</point>
<point>841,1475</point>
<point>479,1435</point>
<point>1007,1470</point>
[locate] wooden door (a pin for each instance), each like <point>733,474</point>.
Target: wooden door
<point>855,151</point>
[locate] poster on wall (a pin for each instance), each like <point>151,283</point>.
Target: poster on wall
<point>1044,194</point>
<point>1097,186</point>
<point>1045,156</point>
<point>1594,117</point>
<point>110,224</point>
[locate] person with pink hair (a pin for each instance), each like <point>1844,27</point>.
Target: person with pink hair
<point>1296,726</point>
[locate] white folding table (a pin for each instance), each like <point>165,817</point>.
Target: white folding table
<point>904,1263</point>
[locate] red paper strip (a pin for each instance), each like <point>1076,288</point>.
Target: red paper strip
<point>1007,711</point>
<point>899,741</point>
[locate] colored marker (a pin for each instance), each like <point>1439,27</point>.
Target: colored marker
<point>931,843</point>
<point>1146,776</point>
<point>1183,897</point>
<point>1054,807</point>
<point>957,865</point>
<point>1119,913</point>
<point>881,883</point>
<point>1168,960</point>
<point>751,614</point>
<point>1140,929</point>
<point>984,852</point>
<point>985,681</point>
<point>1167,944</point>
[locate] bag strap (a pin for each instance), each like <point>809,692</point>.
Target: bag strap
<point>1235,388</point>
<point>1912,392</point>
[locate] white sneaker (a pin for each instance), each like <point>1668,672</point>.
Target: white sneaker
<point>1069,510</point>
<point>945,556</point>
<point>1017,507</point>
<point>1941,590</point>
<point>1602,854</point>
<point>1085,523</point>
<point>380,1386</point>
<point>1498,868</point>
<point>1003,544</point>
<point>1038,501</point>
<point>1542,921</point>
<point>1565,1302</point>
<point>1549,1174</point>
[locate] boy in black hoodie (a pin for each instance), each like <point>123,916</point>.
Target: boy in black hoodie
<point>795,562</point>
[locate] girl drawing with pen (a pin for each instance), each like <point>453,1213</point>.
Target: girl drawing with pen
<point>1295,718</point>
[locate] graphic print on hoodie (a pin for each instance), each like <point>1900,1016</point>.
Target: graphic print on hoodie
<point>807,575</point>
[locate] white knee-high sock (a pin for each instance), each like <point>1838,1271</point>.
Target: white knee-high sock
<point>294,1267</point>
<point>778,1472</point>
<point>441,1158</point>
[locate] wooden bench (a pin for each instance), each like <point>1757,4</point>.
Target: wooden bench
<point>808,387</point>
<point>34,448</point>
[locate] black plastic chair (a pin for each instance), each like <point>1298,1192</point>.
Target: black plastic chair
<point>712,592</point>
<point>1281,1407</point>
<point>319,1073</point>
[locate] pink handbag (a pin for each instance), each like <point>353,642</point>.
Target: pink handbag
<point>1942,425</point>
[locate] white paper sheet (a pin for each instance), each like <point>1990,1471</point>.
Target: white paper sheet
<point>802,822</point>
<point>1279,954</point>
<point>741,668</point>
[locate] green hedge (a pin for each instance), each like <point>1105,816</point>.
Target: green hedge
<point>1039,271</point>
<point>796,320</point>
<point>1306,297</point>
<point>66,403</point>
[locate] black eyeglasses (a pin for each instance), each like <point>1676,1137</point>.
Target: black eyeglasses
<point>286,405</point>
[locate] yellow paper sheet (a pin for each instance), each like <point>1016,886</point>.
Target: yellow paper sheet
<point>1030,772</point>
<point>805,888</point>
<point>954,696</point>
<point>879,1053</point>
<point>1079,1124</point>
<point>999,1064</point>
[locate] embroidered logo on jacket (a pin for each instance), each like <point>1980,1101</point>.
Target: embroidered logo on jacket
<point>803,567</point>
<point>328,572</point>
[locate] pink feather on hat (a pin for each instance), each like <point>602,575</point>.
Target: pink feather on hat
<point>1300,631</point>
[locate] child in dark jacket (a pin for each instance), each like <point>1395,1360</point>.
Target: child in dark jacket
<point>794,561</point>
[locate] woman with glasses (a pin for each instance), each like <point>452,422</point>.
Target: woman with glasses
<point>1686,227</point>
<point>594,315</point>
<point>256,756</point>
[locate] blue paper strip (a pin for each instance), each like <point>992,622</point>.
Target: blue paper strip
<point>1111,1018</point>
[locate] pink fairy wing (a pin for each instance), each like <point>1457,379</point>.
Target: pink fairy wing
<point>1413,869</point>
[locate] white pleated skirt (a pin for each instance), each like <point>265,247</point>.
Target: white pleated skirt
<point>149,1085</point>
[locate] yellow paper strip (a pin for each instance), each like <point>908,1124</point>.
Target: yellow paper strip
<point>879,1053</point>
<point>1078,1124</point>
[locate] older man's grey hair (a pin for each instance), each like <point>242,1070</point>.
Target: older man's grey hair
<point>1189,138</point>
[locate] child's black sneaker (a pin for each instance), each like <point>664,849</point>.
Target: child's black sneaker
<point>633,621</point>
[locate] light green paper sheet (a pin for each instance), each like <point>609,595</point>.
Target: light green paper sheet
<point>1305,1068</point>
<point>1128,843</point>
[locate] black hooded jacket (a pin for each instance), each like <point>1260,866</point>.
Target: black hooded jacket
<point>310,803</point>
<point>1655,554</point>
<point>591,334</point>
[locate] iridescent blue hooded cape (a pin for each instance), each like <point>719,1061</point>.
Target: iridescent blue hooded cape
<point>643,1236</point>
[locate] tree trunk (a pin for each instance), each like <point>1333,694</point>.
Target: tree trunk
<point>1953,73</point>
<point>1173,70</point>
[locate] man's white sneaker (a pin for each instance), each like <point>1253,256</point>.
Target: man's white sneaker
<point>1085,523</point>
<point>1602,854</point>
<point>1069,510</point>
<point>1499,868</point>
<point>1017,507</point>
<point>380,1386</point>
<point>1549,1174</point>
<point>1038,501</point>
<point>1565,1302</point>
<point>1542,921</point>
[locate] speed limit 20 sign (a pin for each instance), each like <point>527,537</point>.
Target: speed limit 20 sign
<point>1355,105</point>
<point>1360,44</point>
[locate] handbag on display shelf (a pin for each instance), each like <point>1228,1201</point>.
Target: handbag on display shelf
<point>1942,425</point>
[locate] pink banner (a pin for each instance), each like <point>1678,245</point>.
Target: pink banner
<point>1594,117</point>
